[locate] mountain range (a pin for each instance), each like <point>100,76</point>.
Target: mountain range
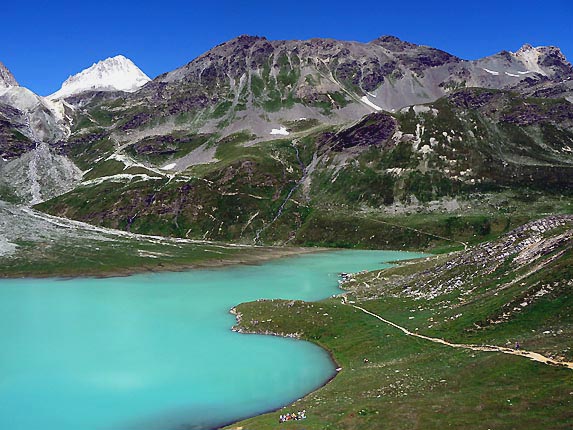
<point>386,145</point>
<point>308,137</point>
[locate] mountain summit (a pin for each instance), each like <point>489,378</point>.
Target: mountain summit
<point>6,77</point>
<point>545,60</point>
<point>112,74</point>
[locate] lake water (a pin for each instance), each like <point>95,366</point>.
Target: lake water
<point>155,351</point>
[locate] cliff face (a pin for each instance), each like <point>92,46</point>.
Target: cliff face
<point>7,79</point>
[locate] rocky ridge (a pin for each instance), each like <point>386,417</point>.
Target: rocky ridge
<point>347,78</point>
<point>524,252</point>
<point>6,77</point>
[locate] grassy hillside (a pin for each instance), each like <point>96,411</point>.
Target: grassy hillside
<point>463,169</point>
<point>517,288</point>
<point>35,245</point>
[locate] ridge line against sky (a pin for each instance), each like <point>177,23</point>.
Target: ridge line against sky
<point>45,42</point>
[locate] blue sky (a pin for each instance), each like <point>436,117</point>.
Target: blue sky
<point>43,42</point>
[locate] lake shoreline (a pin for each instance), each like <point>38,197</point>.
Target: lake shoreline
<point>344,290</point>
<point>337,368</point>
<point>331,263</point>
<point>253,256</point>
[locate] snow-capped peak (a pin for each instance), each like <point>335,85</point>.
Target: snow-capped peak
<point>6,78</point>
<point>112,74</point>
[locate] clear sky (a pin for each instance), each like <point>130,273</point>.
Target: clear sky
<point>43,42</point>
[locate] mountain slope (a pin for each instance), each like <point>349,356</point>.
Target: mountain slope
<point>484,153</point>
<point>30,127</point>
<point>6,77</point>
<point>514,289</point>
<point>266,88</point>
<point>310,137</point>
<point>387,71</point>
<point>259,82</point>
<point>112,74</point>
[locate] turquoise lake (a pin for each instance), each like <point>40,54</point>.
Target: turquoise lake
<point>155,351</point>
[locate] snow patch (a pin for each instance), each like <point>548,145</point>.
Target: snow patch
<point>120,178</point>
<point>424,109</point>
<point>425,149</point>
<point>169,166</point>
<point>420,129</point>
<point>491,72</point>
<point>369,103</point>
<point>396,171</point>
<point>129,162</point>
<point>280,131</point>
<point>512,74</point>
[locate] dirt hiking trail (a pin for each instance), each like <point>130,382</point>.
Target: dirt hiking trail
<point>487,348</point>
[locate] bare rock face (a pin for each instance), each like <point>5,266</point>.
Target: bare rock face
<point>13,141</point>
<point>6,77</point>
<point>37,118</point>
<point>30,171</point>
<point>374,130</point>
<point>328,79</point>
<point>547,60</point>
<point>39,175</point>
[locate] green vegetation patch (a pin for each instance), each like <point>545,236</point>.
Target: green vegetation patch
<point>160,149</point>
<point>105,168</point>
<point>301,124</point>
<point>390,380</point>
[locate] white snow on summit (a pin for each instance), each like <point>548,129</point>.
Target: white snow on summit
<point>111,74</point>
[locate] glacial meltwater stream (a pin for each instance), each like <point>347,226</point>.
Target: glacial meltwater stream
<point>155,351</point>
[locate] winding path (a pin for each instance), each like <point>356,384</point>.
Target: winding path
<point>488,348</point>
